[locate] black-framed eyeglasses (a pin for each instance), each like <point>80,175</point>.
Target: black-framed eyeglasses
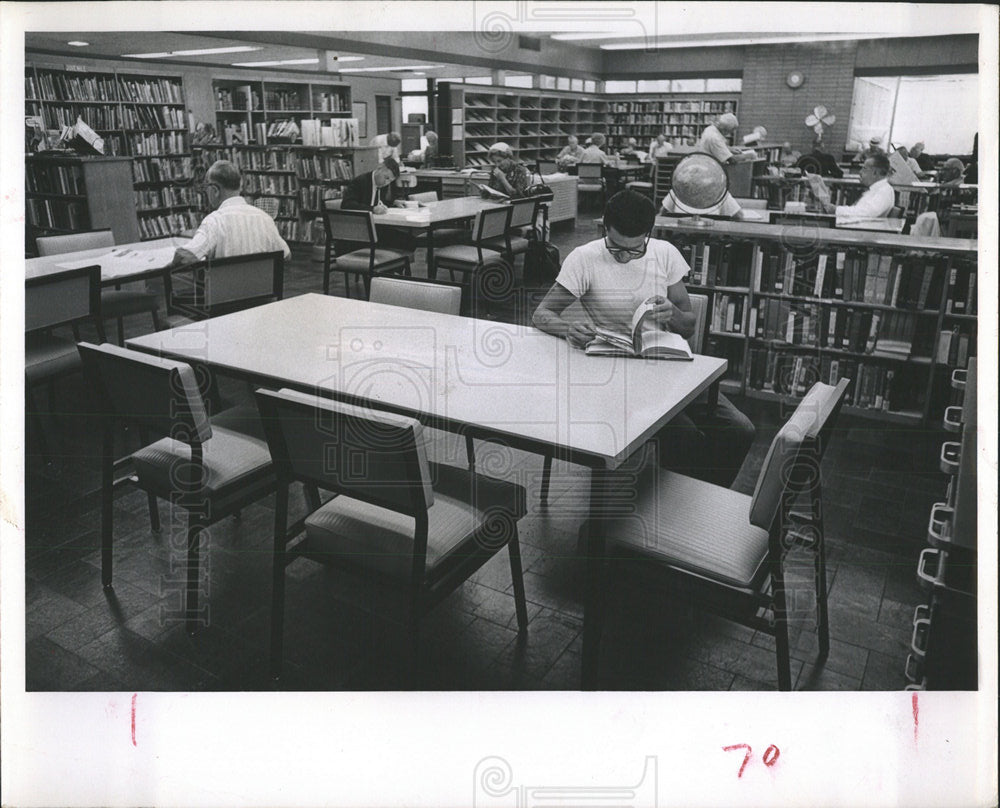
<point>626,253</point>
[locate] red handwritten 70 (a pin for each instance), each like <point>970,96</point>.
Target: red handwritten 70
<point>770,756</point>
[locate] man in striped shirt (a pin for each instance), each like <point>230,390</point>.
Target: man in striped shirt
<point>234,227</point>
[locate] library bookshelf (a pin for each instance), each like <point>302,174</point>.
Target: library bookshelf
<point>789,306</point>
<point>140,116</point>
<point>682,118</point>
<point>260,112</point>
<point>297,177</point>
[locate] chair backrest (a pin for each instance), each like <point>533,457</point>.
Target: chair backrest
<point>896,212</point>
<point>547,167</point>
<point>370,455</point>
<point>424,196</point>
<point>699,306</point>
<point>349,225</point>
<point>268,204</point>
<point>237,281</point>
<point>523,212</point>
<point>71,242</point>
<point>62,298</point>
<point>591,172</point>
<point>810,425</point>
<point>445,298</point>
<point>158,395</point>
<point>491,223</point>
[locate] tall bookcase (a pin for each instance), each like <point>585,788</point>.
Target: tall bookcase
<point>139,115</point>
<point>65,193</point>
<point>297,177</point>
<point>788,307</point>
<point>680,117</point>
<point>534,124</point>
<point>256,111</point>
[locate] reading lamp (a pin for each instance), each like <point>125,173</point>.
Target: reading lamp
<point>699,184</point>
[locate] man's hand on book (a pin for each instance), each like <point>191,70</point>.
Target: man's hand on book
<point>579,334</point>
<point>662,311</point>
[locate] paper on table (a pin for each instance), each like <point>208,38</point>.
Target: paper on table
<point>124,261</point>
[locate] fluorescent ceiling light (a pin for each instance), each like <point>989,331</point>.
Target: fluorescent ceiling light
<point>313,61</point>
<point>592,35</point>
<point>388,69</point>
<point>347,58</point>
<point>715,43</point>
<point>196,52</point>
<point>76,43</point>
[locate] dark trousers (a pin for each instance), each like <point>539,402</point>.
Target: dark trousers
<point>709,447</point>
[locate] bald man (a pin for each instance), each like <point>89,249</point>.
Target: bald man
<point>713,139</point>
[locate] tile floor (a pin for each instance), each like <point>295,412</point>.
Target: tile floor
<point>880,483</point>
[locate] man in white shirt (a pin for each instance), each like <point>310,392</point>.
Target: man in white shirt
<point>611,278</point>
<point>388,146</point>
<point>876,202</point>
<point>234,227</point>
<point>660,147</point>
<point>713,139</point>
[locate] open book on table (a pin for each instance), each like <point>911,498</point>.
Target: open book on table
<point>492,193</point>
<point>647,340</point>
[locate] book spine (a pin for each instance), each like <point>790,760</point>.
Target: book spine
<point>820,276</point>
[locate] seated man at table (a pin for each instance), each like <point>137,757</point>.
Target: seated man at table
<point>952,172</point>
<point>234,227</point>
<point>610,278</point>
<point>660,147</point>
<point>876,202</point>
<point>376,190</point>
<point>571,153</point>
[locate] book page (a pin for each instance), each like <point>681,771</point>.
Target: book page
<point>665,344</point>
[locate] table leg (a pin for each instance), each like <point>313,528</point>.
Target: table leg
<point>593,613</point>
<point>431,269</point>
<point>713,397</point>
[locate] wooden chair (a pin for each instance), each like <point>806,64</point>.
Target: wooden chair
<point>591,180</point>
<point>222,285</point>
<point>725,550</point>
<point>699,306</point>
<point>405,524</point>
<point>514,242</point>
<point>209,467</point>
<point>357,227</point>
<point>67,298</point>
<point>117,303</point>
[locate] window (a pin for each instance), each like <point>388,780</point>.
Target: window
<point>723,85</point>
<point>619,86</point>
<point>688,85</point>
<point>654,85</point>
<point>547,82</point>
<point>576,85</point>
<point>478,79</point>
<point>415,104</point>
<point>589,86</point>
<point>562,83</point>
<point>413,85</point>
<point>942,111</point>
<point>517,81</point>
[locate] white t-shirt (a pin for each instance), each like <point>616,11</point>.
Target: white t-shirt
<point>610,292</point>
<point>381,142</point>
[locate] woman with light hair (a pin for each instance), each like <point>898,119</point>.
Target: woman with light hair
<point>508,175</point>
<point>594,153</point>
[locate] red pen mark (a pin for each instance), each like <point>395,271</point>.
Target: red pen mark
<point>916,717</point>
<point>134,697</point>
<point>746,757</point>
<point>774,752</point>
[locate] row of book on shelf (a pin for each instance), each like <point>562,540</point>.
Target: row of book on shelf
<point>158,169</point>
<point>169,196</point>
<point>287,207</point>
<point>916,281</point>
<point>873,386</point>
<point>713,107</point>
<point>61,86</point>
<point>58,214</point>
<point>167,224</point>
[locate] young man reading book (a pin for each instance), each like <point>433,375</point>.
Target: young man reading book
<point>611,278</point>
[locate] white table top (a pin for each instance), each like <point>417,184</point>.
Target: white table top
<point>118,263</point>
<point>435,213</point>
<point>452,372</point>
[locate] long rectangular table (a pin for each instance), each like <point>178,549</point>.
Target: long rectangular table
<point>122,263</point>
<point>486,379</point>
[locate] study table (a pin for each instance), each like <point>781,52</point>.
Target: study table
<point>122,263</point>
<point>433,215</point>
<point>496,381</point>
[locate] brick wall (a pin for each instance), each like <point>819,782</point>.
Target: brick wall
<point>767,100</point>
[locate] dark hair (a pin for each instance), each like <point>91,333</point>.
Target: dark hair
<point>630,213</point>
<point>880,162</point>
<point>392,165</point>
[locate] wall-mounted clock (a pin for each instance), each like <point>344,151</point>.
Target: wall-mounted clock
<point>794,79</point>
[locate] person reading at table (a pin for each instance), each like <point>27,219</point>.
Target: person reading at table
<point>660,147</point>
<point>713,138</point>
<point>594,153</point>
<point>508,175</point>
<point>570,154</point>
<point>610,278</point>
<point>234,227</point>
<point>376,190</point>
<point>876,202</point>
